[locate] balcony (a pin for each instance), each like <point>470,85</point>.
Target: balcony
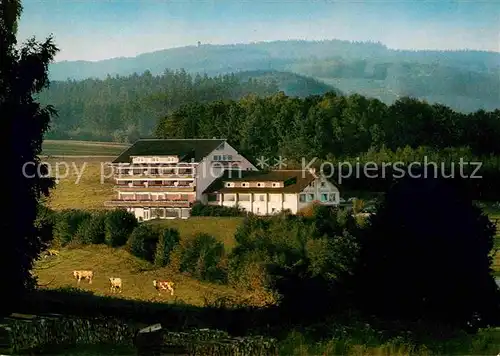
<point>142,176</point>
<point>154,188</point>
<point>148,203</point>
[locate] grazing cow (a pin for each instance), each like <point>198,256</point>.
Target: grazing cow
<point>164,285</point>
<point>79,275</point>
<point>52,253</point>
<point>115,284</point>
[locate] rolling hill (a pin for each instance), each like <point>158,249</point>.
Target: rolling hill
<point>124,108</point>
<point>464,80</point>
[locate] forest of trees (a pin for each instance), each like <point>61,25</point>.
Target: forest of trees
<point>464,80</point>
<point>333,125</point>
<point>125,108</point>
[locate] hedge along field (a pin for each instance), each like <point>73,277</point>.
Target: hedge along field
<point>137,275</point>
<point>113,244</point>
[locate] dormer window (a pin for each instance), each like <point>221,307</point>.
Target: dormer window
<point>276,184</point>
<point>260,185</point>
<point>245,185</point>
<point>229,185</point>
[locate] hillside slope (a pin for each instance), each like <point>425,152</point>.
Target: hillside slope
<point>137,276</point>
<point>465,80</point>
<point>124,108</point>
<point>291,84</point>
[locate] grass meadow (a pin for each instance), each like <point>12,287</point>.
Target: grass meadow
<point>81,187</point>
<point>81,148</point>
<point>137,275</point>
<point>79,183</point>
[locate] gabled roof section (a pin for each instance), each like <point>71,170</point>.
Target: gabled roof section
<point>186,149</point>
<point>295,181</point>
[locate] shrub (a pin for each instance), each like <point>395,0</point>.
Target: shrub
<point>92,229</point>
<point>45,222</point>
<point>274,253</point>
<point>357,206</point>
<point>427,261</point>
<point>118,224</point>
<point>142,242</point>
<point>309,210</point>
<point>203,257</point>
<point>166,243</point>
<point>248,271</point>
<point>199,209</point>
<point>67,225</point>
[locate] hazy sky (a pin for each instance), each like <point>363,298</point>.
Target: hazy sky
<point>100,29</point>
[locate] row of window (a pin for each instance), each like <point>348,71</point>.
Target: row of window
<point>303,198</point>
<point>154,196</point>
<point>222,158</point>
<point>323,197</point>
<point>241,197</point>
<point>154,184</point>
<point>180,171</point>
<point>274,185</point>
<point>247,185</point>
<point>321,184</point>
<point>168,159</point>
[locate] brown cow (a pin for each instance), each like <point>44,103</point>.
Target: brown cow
<point>164,285</point>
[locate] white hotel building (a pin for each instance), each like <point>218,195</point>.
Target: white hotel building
<point>162,178</point>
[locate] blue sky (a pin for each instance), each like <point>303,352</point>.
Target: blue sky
<point>100,29</point>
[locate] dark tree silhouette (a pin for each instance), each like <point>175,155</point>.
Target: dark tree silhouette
<point>426,255</point>
<point>23,73</point>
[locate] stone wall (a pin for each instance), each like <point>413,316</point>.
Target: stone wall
<point>39,332</point>
<point>206,342</point>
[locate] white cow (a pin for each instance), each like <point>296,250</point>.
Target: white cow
<point>79,275</point>
<point>115,284</point>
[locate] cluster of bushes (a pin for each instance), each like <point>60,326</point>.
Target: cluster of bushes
<point>200,209</point>
<point>410,261</point>
<point>111,227</point>
<point>153,245</point>
<point>321,240</point>
<point>201,255</point>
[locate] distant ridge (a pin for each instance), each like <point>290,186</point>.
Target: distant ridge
<point>216,59</point>
<point>465,80</point>
<point>397,50</point>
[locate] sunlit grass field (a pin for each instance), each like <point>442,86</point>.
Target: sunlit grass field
<point>81,148</point>
<point>86,186</point>
<point>223,228</point>
<point>137,276</point>
<point>83,183</point>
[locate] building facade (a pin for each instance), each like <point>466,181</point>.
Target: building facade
<point>265,193</point>
<point>163,178</point>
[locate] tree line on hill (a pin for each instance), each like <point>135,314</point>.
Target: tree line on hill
<point>410,263</point>
<point>464,80</point>
<point>336,128</point>
<point>125,108</point>
<point>332,125</point>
